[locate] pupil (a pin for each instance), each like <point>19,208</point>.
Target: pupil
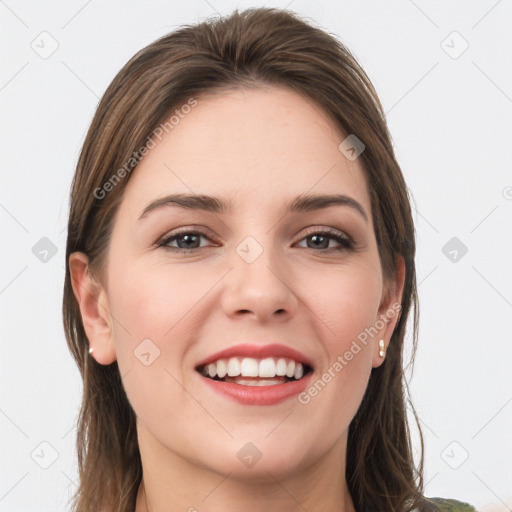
<point>316,237</point>
<point>186,237</point>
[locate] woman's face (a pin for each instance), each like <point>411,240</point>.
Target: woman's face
<point>186,283</point>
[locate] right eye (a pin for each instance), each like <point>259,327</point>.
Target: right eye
<point>186,241</point>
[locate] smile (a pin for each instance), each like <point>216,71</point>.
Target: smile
<point>256,374</point>
<point>249,371</point>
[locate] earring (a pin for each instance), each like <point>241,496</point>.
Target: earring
<point>382,351</point>
<point>90,350</point>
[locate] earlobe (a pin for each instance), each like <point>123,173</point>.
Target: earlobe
<point>389,313</point>
<point>92,301</point>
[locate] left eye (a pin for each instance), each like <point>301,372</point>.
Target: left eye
<point>190,240</point>
<point>319,240</point>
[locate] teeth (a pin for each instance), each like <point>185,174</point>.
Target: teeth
<point>249,367</point>
<point>290,370</point>
<point>281,367</point>
<point>233,367</point>
<point>256,382</point>
<point>221,368</point>
<point>267,368</point>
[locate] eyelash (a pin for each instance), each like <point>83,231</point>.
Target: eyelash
<point>346,243</point>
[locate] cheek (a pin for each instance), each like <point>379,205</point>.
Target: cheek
<point>156,302</point>
<point>155,312</point>
<point>149,342</point>
<point>346,300</point>
<point>346,308</point>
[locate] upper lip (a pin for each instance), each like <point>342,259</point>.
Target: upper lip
<point>258,352</point>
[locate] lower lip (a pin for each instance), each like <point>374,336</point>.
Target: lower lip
<point>259,395</point>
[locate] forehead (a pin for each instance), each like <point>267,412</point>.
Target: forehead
<point>255,147</point>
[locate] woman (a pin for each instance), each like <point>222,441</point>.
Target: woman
<point>240,271</point>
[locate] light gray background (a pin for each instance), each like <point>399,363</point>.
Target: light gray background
<point>449,116</point>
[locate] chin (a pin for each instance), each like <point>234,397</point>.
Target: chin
<point>259,460</point>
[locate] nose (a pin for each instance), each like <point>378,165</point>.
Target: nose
<point>260,289</point>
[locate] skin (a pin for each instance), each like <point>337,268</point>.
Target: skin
<point>259,148</point>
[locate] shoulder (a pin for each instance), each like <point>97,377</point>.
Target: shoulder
<point>446,505</point>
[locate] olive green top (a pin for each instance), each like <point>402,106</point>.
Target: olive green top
<point>446,505</point>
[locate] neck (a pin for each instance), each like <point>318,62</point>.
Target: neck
<point>172,483</point>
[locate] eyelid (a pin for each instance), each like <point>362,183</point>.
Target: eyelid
<point>193,229</point>
<point>327,230</point>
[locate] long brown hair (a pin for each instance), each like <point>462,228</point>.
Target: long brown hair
<point>245,49</point>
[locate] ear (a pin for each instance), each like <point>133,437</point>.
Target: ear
<point>93,304</point>
<point>389,311</point>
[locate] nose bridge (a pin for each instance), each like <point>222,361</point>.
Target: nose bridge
<point>257,282</point>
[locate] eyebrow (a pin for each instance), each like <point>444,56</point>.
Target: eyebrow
<point>302,203</point>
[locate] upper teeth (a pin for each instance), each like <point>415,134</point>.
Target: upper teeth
<point>250,367</point>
